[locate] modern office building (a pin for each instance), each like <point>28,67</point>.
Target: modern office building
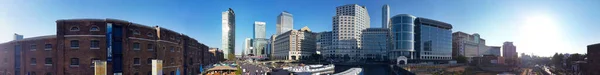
<point>374,44</point>
<point>385,16</point>
<point>228,33</point>
<point>258,46</point>
<point>247,49</point>
<point>348,23</point>
<point>402,36</point>
<point>285,22</point>
<point>259,30</point>
<point>593,60</point>
<point>494,50</point>
<point>433,40</point>
<point>420,39</point>
<point>468,45</point>
<point>127,47</point>
<point>509,52</point>
<point>17,37</point>
<point>324,43</point>
<point>295,45</point>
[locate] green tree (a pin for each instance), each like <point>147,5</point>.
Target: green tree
<point>460,59</point>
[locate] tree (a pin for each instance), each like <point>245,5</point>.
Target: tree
<point>346,57</point>
<point>315,57</point>
<point>460,59</point>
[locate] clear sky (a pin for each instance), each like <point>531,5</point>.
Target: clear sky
<point>542,27</point>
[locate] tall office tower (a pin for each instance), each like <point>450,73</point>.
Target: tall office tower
<point>348,23</point>
<point>402,36</point>
<point>324,43</point>
<point>509,52</point>
<point>228,36</point>
<point>247,49</point>
<point>259,30</point>
<point>295,45</point>
<point>374,43</point>
<point>468,45</point>
<point>285,22</point>
<point>433,40</point>
<point>385,16</point>
<point>17,37</point>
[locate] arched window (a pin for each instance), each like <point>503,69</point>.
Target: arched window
<point>149,34</point>
<point>136,32</point>
<point>94,28</point>
<point>74,28</point>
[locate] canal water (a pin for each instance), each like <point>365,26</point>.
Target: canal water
<point>373,69</point>
<point>367,69</point>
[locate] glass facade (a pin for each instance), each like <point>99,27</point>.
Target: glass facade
<point>434,43</point>
<point>402,36</point>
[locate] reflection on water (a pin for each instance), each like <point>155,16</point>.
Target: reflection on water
<point>367,69</point>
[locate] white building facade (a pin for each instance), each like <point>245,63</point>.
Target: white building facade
<point>348,23</point>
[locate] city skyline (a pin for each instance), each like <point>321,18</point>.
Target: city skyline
<point>529,24</point>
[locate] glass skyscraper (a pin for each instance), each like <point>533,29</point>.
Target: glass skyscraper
<point>402,36</point>
<point>228,33</point>
<point>285,22</point>
<point>259,30</point>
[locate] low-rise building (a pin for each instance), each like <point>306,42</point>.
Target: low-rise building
<point>295,45</point>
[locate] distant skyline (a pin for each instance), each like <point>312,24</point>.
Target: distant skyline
<point>541,27</point>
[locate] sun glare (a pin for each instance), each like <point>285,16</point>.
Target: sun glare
<point>540,34</point>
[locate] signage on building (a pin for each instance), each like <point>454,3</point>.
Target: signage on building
<point>99,67</point>
<point>157,67</point>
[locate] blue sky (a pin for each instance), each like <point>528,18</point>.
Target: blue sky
<point>542,27</point>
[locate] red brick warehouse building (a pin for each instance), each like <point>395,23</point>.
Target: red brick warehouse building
<point>127,47</point>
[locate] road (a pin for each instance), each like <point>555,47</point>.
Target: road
<point>252,69</point>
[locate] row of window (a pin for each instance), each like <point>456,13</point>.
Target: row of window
<point>93,28</point>
<point>46,47</point>
<point>75,61</point>
<point>33,73</point>
<point>94,44</point>
<point>33,61</point>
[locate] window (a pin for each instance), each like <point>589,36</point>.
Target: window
<point>32,47</point>
<point>150,47</point>
<point>136,46</point>
<point>94,44</point>
<point>94,28</point>
<point>32,61</point>
<point>31,73</point>
<point>48,73</point>
<point>172,60</point>
<point>74,62</point>
<point>74,28</point>
<point>149,34</point>
<point>172,49</point>
<point>149,61</point>
<point>93,63</point>
<point>136,32</point>
<point>48,47</point>
<point>136,61</point>
<point>48,61</point>
<point>74,43</point>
